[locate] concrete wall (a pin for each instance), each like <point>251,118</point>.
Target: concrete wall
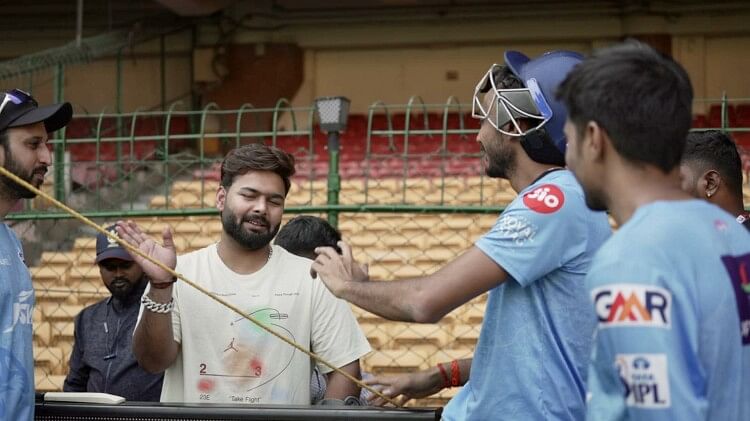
<point>388,61</point>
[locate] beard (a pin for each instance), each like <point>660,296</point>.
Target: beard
<point>122,288</point>
<point>16,190</point>
<point>248,239</point>
<point>500,162</point>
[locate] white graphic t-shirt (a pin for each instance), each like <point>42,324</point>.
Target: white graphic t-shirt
<point>225,358</point>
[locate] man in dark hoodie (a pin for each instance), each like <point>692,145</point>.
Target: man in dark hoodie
<point>102,359</point>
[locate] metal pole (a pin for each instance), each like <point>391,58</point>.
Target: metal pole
<point>79,23</point>
<point>163,70</point>
<point>334,180</point>
<point>59,151</point>
<point>118,110</point>
<point>724,111</point>
<point>194,105</point>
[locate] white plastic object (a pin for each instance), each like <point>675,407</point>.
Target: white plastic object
<point>84,397</point>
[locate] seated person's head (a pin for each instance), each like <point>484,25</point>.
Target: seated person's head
<point>302,234</point>
<point>711,169</point>
<point>120,274</point>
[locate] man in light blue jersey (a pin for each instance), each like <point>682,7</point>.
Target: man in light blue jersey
<point>24,128</point>
<point>531,358</point>
<point>670,288</point>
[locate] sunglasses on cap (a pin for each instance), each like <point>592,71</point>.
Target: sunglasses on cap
<point>509,105</point>
<point>16,97</point>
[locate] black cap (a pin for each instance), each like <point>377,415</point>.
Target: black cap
<point>21,109</point>
<point>106,248</point>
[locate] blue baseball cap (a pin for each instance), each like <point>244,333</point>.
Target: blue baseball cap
<point>107,248</point>
<point>549,70</point>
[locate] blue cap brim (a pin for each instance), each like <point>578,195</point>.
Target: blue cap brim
<point>114,253</point>
<point>516,60</point>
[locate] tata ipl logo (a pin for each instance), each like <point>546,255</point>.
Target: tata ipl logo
<point>645,379</point>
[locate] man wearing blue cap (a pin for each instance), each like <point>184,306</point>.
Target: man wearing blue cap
<point>531,358</point>
<point>102,359</point>
<point>24,131</point>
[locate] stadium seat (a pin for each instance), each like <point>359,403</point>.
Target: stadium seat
<point>408,335</point>
<point>43,333</point>
<point>377,334</point>
<point>62,332</point>
<point>49,383</point>
<point>49,358</point>
<point>83,273</point>
<point>465,335</point>
<point>474,314</point>
<point>54,312</point>
<point>447,355</point>
<point>394,361</point>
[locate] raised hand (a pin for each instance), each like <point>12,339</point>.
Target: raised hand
<point>166,254</point>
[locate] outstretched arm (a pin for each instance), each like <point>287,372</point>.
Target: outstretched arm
<point>423,300</point>
<point>405,387</point>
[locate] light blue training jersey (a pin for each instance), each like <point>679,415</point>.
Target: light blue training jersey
<point>670,291</point>
<point>533,351</point>
<point>16,334</point>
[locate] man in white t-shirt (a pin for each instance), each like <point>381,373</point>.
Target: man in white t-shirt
<point>210,353</point>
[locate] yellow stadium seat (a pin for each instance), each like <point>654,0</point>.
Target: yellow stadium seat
<point>376,334</point>
<point>83,273</point>
<point>63,332</point>
<point>49,383</point>
<point>60,312</point>
<point>408,335</point>
<point>434,255</point>
<point>448,355</point>
<point>408,271</point>
<point>46,274</point>
<point>43,333</point>
<point>85,244</point>
<point>465,336</point>
<point>51,291</point>
<point>199,242</point>
<point>364,239</point>
<point>49,357</point>
<point>393,361</point>
<point>87,293</point>
<point>474,314</point>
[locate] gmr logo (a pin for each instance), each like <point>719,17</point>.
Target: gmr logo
<point>546,198</point>
<point>632,305</point>
<point>645,379</point>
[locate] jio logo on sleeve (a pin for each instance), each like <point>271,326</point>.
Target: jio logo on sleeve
<point>547,198</point>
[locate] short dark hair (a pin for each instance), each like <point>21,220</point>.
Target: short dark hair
<point>504,79</point>
<point>642,99</point>
<point>257,157</point>
<point>304,233</point>
<point>714,149</point>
